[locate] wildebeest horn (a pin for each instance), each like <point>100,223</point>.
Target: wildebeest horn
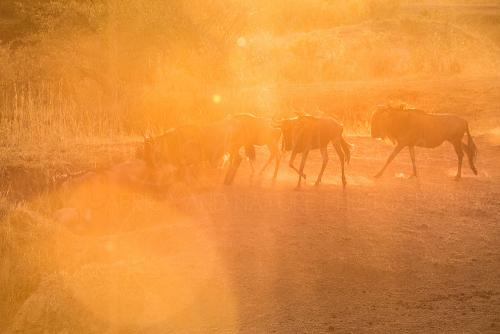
<point>276,123</point>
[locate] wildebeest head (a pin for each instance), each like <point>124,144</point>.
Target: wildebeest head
<point>391,122</point>
<point>177,146</point>
<point>156,148</point>
<point>382,119</point>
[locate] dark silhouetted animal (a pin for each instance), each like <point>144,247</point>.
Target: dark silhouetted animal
<point>248,131</point>
<point>305,133</point>
<point>191,145</point>
<point>413,127</point>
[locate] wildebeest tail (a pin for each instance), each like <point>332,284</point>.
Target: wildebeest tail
<point>250,152</point>
<point>346,147</point>
<point>471,145</point>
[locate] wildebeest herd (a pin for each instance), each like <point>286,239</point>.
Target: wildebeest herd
<point>217,142</point>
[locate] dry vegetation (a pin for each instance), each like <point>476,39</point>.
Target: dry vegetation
<point>82,80</point>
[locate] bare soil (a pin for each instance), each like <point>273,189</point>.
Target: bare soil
<point>392,255</point>
<point>384,256</point>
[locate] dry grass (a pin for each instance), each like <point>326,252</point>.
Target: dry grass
<point>128,76</point>
<point>100,256</point>
<point>41,143</point>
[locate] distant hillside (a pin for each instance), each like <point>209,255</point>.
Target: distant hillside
<point>481,17</point>
<point>400,46</point>
<point>133,63</point>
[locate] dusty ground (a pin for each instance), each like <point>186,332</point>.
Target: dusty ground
<point>391,255</point>
<point>394,255</point>
<point>114,251</point>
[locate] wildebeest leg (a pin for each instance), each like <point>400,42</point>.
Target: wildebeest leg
<point>324,155</point>
<point>460,154</point>
<point>277,156</point>
<point>233,167</point>
<point>302,165</point>
<point>412,155</point>
<point>252,167</point>
<point>395,152</point>
<point>272,154</point>
<point>292,160</point>
<point>340,153</point>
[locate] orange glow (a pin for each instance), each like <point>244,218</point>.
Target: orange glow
<point>147,185</point>
<point>216,98</point>
<point>241,42</point>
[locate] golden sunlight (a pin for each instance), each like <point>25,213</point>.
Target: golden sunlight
<point>216,98</point>
<point>237,166</point>
<point>241,42</point>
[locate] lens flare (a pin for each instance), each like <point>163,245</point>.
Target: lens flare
<point>241,42</point>
<point>216,98</point>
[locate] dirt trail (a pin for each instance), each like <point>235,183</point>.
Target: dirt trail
<point>393,255</point>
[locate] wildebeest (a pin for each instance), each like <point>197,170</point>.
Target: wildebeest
<point>413,127</point>
<point>305,133</point>
<point>186,147</point>
<point>177,146</point>
<point>190,145</point>
<point>248,131</point>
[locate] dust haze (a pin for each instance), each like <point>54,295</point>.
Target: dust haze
<point>93,240</point>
